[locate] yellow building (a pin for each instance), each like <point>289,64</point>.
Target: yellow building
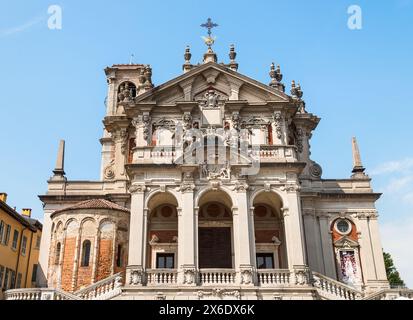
<point>19,247</point>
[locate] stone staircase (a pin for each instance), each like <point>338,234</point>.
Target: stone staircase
<point>111,287</point>
<point>330,289</point>
<point>105,289</point>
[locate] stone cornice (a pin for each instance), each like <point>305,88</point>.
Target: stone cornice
<point>340,195</point>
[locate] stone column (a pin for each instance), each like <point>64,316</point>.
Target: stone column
<point>43,269</point>
<point>114,240</point>
<point>313,248</point>
<point>327,247</point>
<point>371,255</point>
<point>76,259</point>
<point>366,253</point>
<point>120,137</point>
<point>137,240</point>
<point>95,255</point>
<point>242,238</point>
<point>60,264</point>
<point>294,228</point>
<point>186,237</point>
<point>111,98</point>
<point>377,249</point>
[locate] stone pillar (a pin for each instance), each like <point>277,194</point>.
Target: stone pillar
<point>186,237</point>
<point>137,240</point>
<point>242,238</point>
<point>312,237</point>
<point>111,99</point>
<point>327,248</point>
<point>60,264</point>
<point>95,255</point>
<point>371,255</point>
<point>366,253</point>
<point>294,228</point>
<point>76,259</point>
<point>43,269</point>
<point>377,250</point>
<point>120,137</point>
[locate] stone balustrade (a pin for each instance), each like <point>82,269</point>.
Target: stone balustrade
<point>168,154</point>
<point>273,277</point>
<point>161,276</point>
<point>39,294</point>
<point>270,153</point>
<point>216,276</point>
<point>334,290</point>
<point>102,290</point>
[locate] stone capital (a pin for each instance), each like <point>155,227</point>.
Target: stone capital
<point>137,188</point>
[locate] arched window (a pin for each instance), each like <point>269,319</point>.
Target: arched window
<point>119,257</point>
<point>57,254</point>
<point>85,253</point>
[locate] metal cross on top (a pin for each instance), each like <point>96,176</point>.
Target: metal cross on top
<point>209,25</point>
<point>209,41</point>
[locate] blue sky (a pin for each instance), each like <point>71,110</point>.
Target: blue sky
<point>358,81</point>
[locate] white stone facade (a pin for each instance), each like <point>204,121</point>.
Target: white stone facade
<point>215,169</point>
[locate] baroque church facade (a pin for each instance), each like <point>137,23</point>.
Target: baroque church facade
<point>208,191</point>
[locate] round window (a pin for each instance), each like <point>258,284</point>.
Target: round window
<point>343,226</point>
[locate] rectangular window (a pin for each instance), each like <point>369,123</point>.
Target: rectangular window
<point>1,231</point>
<point>24,245</point>
<point>165,261</point>
<point>12,279</point>
<point>119,257</point>
<point>6,279</point>
<point>1,276</point>
<point>7,237</point>
<point>38,238</point>
<point>265,261</point>
<point>34,273</point>
<point>15,239</point>
<point>19,281</point>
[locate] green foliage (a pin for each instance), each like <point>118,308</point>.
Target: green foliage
<point>392,274</point>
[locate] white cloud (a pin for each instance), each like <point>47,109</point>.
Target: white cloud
<point>32,22</point>
<point>401,166</point>
<point>397,237</point>
<point>408,198</point>
<point>400,184</point>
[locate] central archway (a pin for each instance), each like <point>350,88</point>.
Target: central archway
<point>215,231</point>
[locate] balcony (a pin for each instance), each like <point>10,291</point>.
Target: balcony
<point>216,276</point>
<point>170,154</point>
<point>273,277</point>
<point>161,277</point>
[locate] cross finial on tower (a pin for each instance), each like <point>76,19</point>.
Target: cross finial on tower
<point>209,40</point>
<point>358,169</point>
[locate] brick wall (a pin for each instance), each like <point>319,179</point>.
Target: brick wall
<point>68,261</point>
<point>84,276</point>
<point>105,259</point>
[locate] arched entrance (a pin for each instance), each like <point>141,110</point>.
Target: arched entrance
<point>269,232</point>
<point>215,231</point>
<point>162,235</point>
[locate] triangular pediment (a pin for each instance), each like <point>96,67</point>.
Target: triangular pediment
<point>346,242</point>
<point>230,84</point>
